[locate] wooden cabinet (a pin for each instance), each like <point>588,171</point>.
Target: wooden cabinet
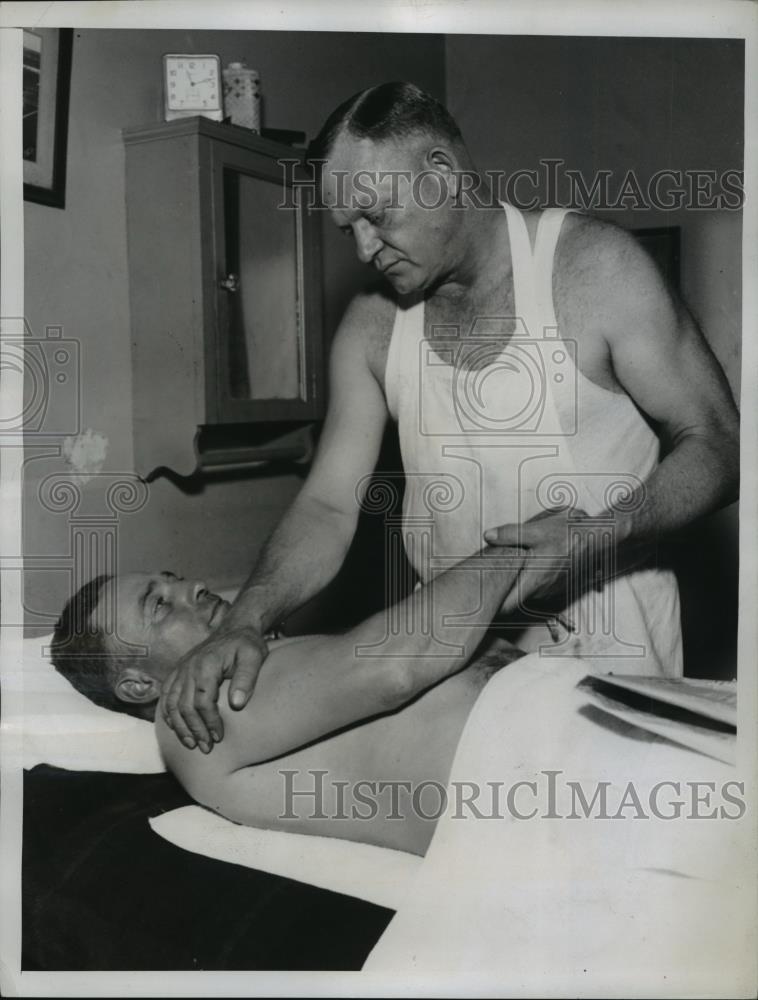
<point>225,297</point>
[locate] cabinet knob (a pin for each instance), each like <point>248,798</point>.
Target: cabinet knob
<point>231,283</point>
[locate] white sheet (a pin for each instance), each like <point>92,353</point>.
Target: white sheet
<point>643,907</point>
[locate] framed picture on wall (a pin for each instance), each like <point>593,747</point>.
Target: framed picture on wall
<point>663,243</point>
<point>47,78</point>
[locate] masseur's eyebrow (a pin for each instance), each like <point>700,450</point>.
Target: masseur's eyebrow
<point>379,204</point>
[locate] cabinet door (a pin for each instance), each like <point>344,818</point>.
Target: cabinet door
<point>268,356</point>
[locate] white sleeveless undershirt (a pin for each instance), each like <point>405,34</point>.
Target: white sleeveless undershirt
<point>521,432</point>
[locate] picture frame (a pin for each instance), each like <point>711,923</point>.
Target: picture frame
<point>47,82</point>
<point>664,244</point>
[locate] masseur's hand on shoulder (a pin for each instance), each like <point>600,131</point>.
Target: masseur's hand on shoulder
<point>190,695</point>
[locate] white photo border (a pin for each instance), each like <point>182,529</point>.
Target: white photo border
<point>721,19</point>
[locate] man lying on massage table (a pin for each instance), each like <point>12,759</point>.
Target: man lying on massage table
<point>368,705</point>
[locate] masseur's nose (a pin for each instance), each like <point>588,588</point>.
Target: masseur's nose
<point>367,243</point>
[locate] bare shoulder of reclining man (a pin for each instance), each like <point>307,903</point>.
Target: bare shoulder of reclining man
<point>290,705</point>
<point>413,745</point>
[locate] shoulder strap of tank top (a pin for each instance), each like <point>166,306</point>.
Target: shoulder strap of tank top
<point>403,351</point>
<point>522,264</point>
<point>548,231</point>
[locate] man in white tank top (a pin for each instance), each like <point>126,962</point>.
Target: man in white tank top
<point>549,390</point>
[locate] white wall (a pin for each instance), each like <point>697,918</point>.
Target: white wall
<point>76,277</point>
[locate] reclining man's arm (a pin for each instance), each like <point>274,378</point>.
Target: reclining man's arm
<point>312,686</point>
<point>308,547</point>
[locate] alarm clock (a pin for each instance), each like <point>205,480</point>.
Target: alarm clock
<point>192,86</point>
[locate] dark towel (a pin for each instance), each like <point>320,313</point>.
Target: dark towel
<point>101,891</point>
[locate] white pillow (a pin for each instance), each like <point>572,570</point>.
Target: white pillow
<point>55,724</point>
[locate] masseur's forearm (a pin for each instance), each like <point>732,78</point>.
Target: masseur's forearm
<point>302,556</point>
<point>698,476</point>
<point>436,630</point>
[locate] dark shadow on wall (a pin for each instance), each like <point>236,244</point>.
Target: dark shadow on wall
<point>364,585</point>
<point>705,558</point>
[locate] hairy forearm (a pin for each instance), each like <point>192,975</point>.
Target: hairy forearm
<point>302,556</point>
<point>698,476</point>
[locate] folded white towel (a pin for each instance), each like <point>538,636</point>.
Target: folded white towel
<point>377,874</point>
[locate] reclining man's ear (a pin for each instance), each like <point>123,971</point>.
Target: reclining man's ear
<point>137,686</point>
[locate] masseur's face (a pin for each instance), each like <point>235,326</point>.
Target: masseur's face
<point>394,201</point>
<point>160,611</point>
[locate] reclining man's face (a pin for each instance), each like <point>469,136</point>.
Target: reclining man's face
<point>164,612</point>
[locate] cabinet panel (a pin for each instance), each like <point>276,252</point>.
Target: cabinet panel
<point>265,333</point>
<point>225,290</point>
<point>269,362</point>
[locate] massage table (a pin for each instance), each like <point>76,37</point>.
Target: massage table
<point>563,907</point>
<point>104,890</point>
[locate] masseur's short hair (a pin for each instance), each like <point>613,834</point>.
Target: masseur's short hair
<point>388,111</point>
<point>80,652</point>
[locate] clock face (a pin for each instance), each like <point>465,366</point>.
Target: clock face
<point>192,85</point>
